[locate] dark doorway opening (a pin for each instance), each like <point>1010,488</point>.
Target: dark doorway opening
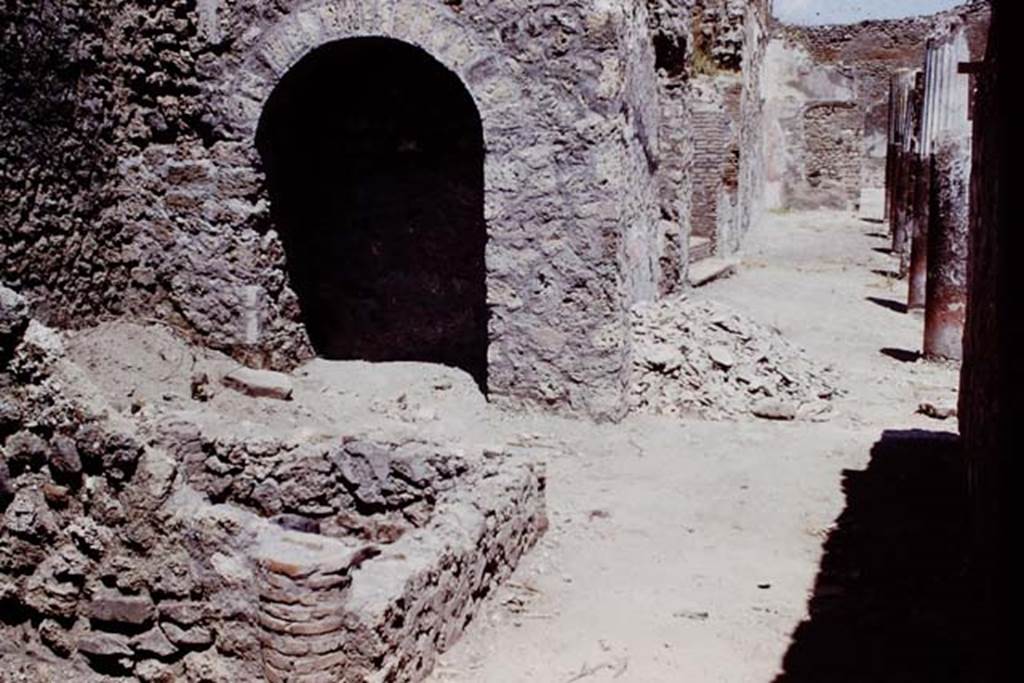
<point>374,158</point>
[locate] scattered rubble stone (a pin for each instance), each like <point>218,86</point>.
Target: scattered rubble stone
<point>193,636</point>
<point>200,387</point>
<point>56,637</point>
<point>260,383</point>
<point>696,357</point>
<point>29,516</point>
<point>153,671</point>
<point>26,450</point>
<point>939,410</point>
<point>13,320</point>
<point>64,458</point>
<point>774,409</point>
<point>10,416</point>
<point>185,613</point>
<point>6,488</point>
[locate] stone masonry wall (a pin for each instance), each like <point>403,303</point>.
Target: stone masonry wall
<point>750,194</point>
<point>66,73</point>
<point>728,180</point>
<point>833,135</point>
<point>990,400</point>
<point>709,55</point>
<point>671,31</point>
<point>712,133</point>
<point>155,205</point>
<point>843,62</point>
<point>642,241</point>
<point>162,544</point>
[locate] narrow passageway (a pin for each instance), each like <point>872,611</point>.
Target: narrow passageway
<point>688,550</point>
<point>375,159</point>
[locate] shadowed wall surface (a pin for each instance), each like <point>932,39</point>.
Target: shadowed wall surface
<point>374,157</point>
<point>990,398</point>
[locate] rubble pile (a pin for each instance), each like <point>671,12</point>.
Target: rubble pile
<point>698,358</point>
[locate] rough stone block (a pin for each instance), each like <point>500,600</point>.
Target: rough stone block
<point>154,642</point>
<point>194,636</point>
<point>260,383</point>
<point>113,608</point>
<point>105,645</point>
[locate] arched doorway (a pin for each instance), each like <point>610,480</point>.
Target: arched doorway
<point>374,154</point>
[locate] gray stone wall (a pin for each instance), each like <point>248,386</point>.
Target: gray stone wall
<point>642,246</point>
<point>63,119</point>
<point>752,166</point>
<point>133,185</point>
<point>709,60</point>
<point>727,118</point>
<point>561,180</point>
<point>671,30</point>
<point>168,217</point>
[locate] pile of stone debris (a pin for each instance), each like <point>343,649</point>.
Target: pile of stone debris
<point>697,358</point>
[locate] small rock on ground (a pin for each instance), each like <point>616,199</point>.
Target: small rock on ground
<point>260,383</point>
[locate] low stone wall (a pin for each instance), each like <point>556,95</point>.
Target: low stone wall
<point>139,543</point>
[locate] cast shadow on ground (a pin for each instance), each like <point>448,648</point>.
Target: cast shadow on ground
<point>902,355</point>
<point>890,602</point>
<point>882,250</point>
<point>891,274</point>
<point>891,304</point>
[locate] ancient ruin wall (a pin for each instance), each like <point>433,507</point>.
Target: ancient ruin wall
<point>728,167</point>
<point>640,228</point>
<point>990,402</point>
<point>160,542</point>
<point>67,73</point>
<point>751,190</point>
<point>833,133</point>
<point>712,131</point>
<point>671,32</point>
<point>164,214</point>
<point>710,170</point>
<point>809,64</point>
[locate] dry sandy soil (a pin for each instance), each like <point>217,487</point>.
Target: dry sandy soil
<point>691,551</point>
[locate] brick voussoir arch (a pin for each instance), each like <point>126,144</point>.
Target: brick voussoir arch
<point>421,23</point>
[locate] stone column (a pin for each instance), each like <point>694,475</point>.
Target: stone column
<point>917,232</point>
<point>903,118</point>
<point>944,111</point>
<point>949,219</point>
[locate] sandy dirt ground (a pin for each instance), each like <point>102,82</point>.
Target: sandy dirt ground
<point>689,551</point>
